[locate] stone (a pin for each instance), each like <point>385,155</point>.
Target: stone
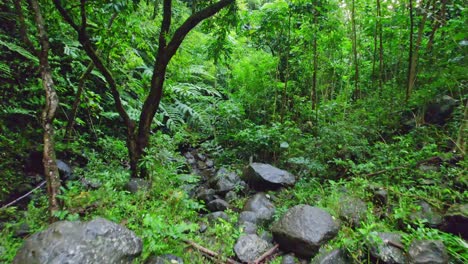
<point>352,210</point>
<point>439,111</point>
<point>248,216</point>
<point>209,163</point>
<point>204,194</point>
<point>249,247</point>
<point>262,176</point>
<point>303,229</point>
<point>428,252</point>
<point>428,214</point>
<point>137,184</point>
<point>381,249</point>
<point>201,165</point>
<point>217,205</point>
<point>455,220</point>
<point>249,228</point>
<point>200,156</point>
<point>380,197</point>
<point>261,206</point>
<point>164,259</point>
<point>96,241</point>
<point>337,256</point>
<point>90,184</point>
<point>215,215</point>
<point>226,181</point>
<point>231,196</point>
<point>202,228</point>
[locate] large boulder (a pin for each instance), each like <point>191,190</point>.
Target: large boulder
<point>262,176</point>
<point>428,252</point>
<point>96,241</point>
<point>439,111</point>
<point>427,214</point>
<point>455,220</point>
<point>303,229</point>
<point>217,205</point>
<point>261,206</point>
<point>382,247</point>
<point>249,247</point>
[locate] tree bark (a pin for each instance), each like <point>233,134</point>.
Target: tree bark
<point>50,165</point>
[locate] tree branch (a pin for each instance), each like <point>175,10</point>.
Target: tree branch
<point>192,22</point>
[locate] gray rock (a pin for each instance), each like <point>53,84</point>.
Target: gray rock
<point>217,205</point>
<point>96,241</point>
<point>226,181</point>
<point>337,256</point>
<point>381,249</point>
<point>209,163</point>
<point>248,216</point>
<point>261,206</point>
<point>428,252</point>
<point>303,229</point>
<point>201,165</point>
<point>231,196</point>
<point>164,259</point>
<point>455,220</point>
<point>215,215</point>
<point>206,195</point>
<point>262,176</point>
<point>203,227</point>
<point>137,184</point>
<point>352,210</point>
<point>249,247</point>
<point>249,228</point>
<point>267,236</point>
<point>428,214</point>
<point>381,196</point>
<point>439,112</point>
<point>200,156</point>
<point>91,184</point>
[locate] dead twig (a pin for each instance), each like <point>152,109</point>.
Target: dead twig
<point>267,254</point>
<point>209,252</point>
<point>24,196</point>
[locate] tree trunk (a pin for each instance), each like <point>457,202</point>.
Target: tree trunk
<point>50,165</point>
<point>415,54</point>
<point>409,84</point>
<point>357,91</point>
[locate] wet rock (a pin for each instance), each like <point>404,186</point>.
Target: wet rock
<point>96,241</point>
<point>455,220</point>
<point>249,247</point>
<point>261,206</point>
<point>428,214</point>
<point>439,111</point>
<point>200,156</point>
<point>267,236</point>
<point>262,176</point>
<point>217,205</point>
<point>203,227</point>
<point>337,256</point>
<point>428,252</point>
<point>164,259</point>
<point>215,215</point>
<point>209,163</point>
<point>137,184</point>
<point>303,229</point>
<point>381,249</point>
<point>352,210</point>
<point>201,165</point>
<point>206,195</point>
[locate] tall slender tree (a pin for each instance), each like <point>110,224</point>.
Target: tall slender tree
<point>48,114</point>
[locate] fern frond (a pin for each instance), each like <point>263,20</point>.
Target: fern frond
<point>5,70</point>
<point>20,50</point>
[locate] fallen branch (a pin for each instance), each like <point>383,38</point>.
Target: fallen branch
<point>267,254</point>
<point>208,252</point>
<point>24,196</point>
<point>395,244</point>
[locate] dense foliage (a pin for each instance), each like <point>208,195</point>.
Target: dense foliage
<point>323,89</point>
